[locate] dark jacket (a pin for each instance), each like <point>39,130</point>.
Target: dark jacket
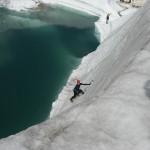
<point>77,87</point>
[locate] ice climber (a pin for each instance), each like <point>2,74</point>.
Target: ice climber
<point>107,18</point>
<point>77,90</point>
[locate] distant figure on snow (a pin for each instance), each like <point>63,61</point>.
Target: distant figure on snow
<point>107,18</point>
<point>77,90</point>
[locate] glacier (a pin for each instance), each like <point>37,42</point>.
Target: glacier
<point>114,111</point>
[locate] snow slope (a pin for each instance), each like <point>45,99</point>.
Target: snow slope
<point>114,112</point>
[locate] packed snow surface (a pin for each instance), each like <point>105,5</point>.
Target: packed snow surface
<point>113,114</point>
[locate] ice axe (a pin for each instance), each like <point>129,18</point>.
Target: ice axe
<point>91,81</point>
<point>90,84</point>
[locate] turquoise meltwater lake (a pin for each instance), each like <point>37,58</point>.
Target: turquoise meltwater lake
<point>35,64</point>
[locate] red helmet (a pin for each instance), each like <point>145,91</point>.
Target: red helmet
<point>78,81</point>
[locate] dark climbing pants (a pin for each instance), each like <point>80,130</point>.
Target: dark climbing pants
<point>76,93</point>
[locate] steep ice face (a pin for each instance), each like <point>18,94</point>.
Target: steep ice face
<point>112,52</point>
<point>114,112</point>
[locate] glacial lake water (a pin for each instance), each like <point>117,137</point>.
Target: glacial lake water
<point>35,63</point>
